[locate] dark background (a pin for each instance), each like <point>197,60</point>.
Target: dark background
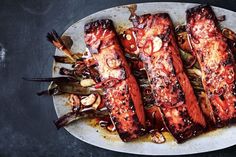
<point>26,127</point>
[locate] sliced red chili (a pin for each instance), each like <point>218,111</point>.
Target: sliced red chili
<point>229,75</point>
<point>128,41</point>
<point>148,47</point>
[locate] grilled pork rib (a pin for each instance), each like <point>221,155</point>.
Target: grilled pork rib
<point>122,97</point>
<point>216,62</point>
<point>170,85</point>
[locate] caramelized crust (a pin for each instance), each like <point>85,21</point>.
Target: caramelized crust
<point>123,99</point>
<point>171,87</point>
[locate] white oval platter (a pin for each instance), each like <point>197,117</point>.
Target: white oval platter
<point>214,140</point>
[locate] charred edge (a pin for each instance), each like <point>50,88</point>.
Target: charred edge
<point>198,8</point>
<point>219,122</point>
<point>136,20</point>
<point>210,124</point>
<point>194,131</point>
<point>164,15</point>
<point>190,13</point>
<point>209,118</point>
<point>228,60</point>
<point>233,120</point>
<point>182,136</point>
<point>140,131</point>
<point>141,21</point>
<point>104,23</point>
<point>200,11</point>
<point>125,136</point>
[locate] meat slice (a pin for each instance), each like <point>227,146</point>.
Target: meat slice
<point>170,85</point>
<point>216,62</point>
<point>122,94</point>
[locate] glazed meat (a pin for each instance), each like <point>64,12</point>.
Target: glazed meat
<point>170,85</point>
<point>216,62</point>
<point>122,95</point>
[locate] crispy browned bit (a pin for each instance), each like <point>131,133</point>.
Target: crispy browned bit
<point>157,137</point>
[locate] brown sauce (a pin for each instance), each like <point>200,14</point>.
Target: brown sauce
<point>113,136</point>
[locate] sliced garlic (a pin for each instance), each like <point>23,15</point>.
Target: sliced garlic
<point>89,100</point>
<point>113,62</point>
<point>128,37</point>
<point>157,44</point>
<point>97,102</point>
<point>87,82</point>
<point>157,137</point>
<point>103,123</point>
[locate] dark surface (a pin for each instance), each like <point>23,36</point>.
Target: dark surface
<point>26,127</point>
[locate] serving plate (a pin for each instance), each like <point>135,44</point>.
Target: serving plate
<point>214,140</point>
